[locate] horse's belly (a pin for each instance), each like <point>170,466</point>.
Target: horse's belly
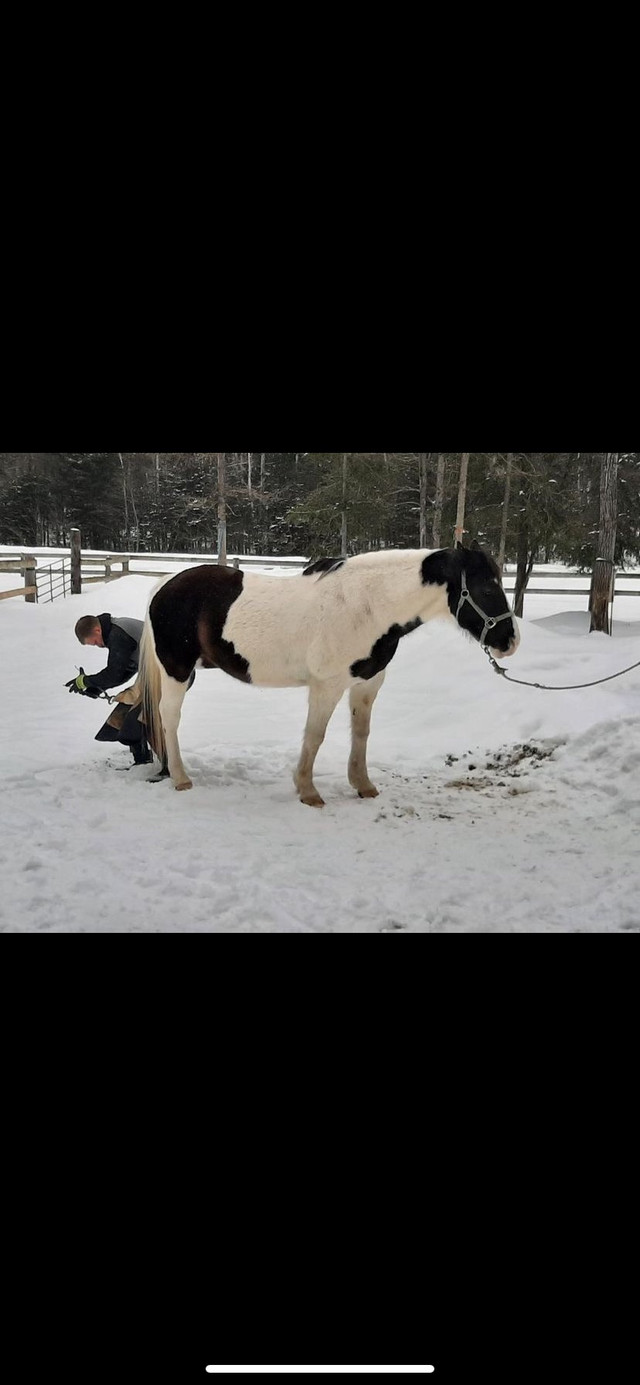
<point>268,671</point>
<point>275,649</point>
<point>271,665</point>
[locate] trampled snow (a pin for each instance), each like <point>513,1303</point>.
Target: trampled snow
<point>501,808</point>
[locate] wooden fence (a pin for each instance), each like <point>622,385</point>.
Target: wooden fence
<point>27,565</point>
<point>106,565</point>
<point>45,581</point>
<point>69,575</point>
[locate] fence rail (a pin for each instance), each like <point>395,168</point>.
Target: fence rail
<point>27,565</point>
<point>47,582</point>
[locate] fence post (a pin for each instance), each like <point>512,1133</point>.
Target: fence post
<point>30,564</point>
<point>76,563</point>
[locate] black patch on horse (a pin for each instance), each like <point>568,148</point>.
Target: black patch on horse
<point>324,566</point>
<point>188,616</point>
<point>383,651</point>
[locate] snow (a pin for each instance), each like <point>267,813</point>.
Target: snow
<point>502,808</point>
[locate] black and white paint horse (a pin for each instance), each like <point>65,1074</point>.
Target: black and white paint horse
<point>336,627</point>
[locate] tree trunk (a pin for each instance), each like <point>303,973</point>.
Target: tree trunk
<point>524,568</point>
<point>345,465</point>
<point>222,508</point>
<point>462,497</point>
<point>136,522</point>
<point>251,545</point>
<point>126,502</point>
<point>605,570</point>
<point>422,473</point>
<point>439,505</point>
<point>505,514</point>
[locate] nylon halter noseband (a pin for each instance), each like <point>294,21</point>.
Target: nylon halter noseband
<point>490,622</point>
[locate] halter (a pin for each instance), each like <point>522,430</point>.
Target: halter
<point>490,622</point>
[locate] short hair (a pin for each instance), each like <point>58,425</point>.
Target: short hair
<point>86,626</point>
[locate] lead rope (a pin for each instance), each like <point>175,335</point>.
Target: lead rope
<point>490,622</point>
<point>547,687</point>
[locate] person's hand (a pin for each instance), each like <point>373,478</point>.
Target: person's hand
<point>77,684</point>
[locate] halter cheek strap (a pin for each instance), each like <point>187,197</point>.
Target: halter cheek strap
<point>490,622</point>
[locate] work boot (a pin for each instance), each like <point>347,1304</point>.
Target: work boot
<point>142,755</point>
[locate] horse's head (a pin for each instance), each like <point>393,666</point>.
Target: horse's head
<point>476,596</point>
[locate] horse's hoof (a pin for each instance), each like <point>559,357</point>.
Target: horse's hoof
<point>369,793</point>
<point>186,784</point>
<point>313,801</point>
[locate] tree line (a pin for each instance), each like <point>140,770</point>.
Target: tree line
<point>524,507</point>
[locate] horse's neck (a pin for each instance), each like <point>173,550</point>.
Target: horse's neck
<point>400,594</point>
<point>409,599</point>
<point>435,602</point>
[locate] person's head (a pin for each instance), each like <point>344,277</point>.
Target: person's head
<point>89,631</point>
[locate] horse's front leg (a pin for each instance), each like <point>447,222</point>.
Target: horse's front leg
<point>362,697</point>
<point>171,700</point>
<point>323,700</point>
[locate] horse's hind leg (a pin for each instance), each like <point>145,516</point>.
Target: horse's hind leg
<point>132,696</point>
<point>323,700</point>
<point>171,699</point>
<point>362,697</point>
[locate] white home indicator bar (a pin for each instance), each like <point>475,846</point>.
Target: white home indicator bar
<point>320,1370</point>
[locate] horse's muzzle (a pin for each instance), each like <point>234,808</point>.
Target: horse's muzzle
<point>506,653</point>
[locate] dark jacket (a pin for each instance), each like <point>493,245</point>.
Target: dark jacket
<point>123,645</point>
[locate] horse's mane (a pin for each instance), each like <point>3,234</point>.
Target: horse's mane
<point>323,566</point>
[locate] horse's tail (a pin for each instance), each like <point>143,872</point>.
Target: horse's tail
<point>149,688</point>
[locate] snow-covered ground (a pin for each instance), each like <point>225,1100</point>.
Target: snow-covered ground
<point>502,808</point>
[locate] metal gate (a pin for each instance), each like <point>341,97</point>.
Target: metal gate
<point>54,581</point>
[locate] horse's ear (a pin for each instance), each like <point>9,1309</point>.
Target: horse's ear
<point>460,547</point>
<point>475,546</point>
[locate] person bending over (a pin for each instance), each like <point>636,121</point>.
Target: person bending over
<point>121,636</point>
